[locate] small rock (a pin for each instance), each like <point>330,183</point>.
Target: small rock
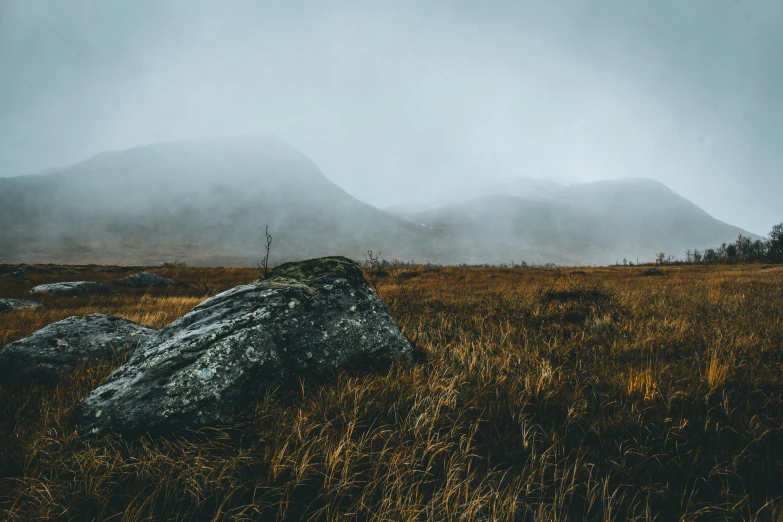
<point>305,319</point>
<point>75,288</point>
<point>654,272</point>
<point>767,267</point>
<point>145,280</point>
<point>21,273</point>
<point>6,305</point>
<point>63,345</point>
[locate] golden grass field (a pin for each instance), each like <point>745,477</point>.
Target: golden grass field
<point>601,395</point>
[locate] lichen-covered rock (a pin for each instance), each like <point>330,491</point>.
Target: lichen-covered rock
<point>7,305</point>
<point>145,280</point>
<point>307,318</point>
<point>73,289</point>
<point>21,273</point>
<point>63,345</point>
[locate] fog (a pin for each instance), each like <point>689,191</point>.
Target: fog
<point>415,102</point>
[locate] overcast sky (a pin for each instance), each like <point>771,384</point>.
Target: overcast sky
<point>396,100</point>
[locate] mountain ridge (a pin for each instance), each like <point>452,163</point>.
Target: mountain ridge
<point>207,202</point>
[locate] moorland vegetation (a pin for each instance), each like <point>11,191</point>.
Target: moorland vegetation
<point>546,394</point>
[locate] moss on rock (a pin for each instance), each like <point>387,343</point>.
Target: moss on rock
<point>307,319</point>
<point>312,274</point>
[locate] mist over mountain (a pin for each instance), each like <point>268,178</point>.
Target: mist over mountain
<point>207,202</point>
<point>204,201</point>
<point>599,222</point>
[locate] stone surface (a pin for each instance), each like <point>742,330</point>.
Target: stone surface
<point>63,345</point>
<point>7,305</point>
<point>21,273</point>
<point>306,318</point>
<point>71,289</point>
<point>145,280</point>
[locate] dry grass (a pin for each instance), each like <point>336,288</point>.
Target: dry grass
<point>606,397</point>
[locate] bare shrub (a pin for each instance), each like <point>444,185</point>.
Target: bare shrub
<point>264,265</point>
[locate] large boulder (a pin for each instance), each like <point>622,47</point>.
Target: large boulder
<point>306,318</point>
<point>8,305</point>
<point>145,280</point>
<point>73,289</point>
<point>64,345</point>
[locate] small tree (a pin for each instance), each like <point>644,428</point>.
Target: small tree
<point>775,244</point>
<point>265,262</point>
<point>373,264</point>
<point>744,247</point>
<point>732,253</point>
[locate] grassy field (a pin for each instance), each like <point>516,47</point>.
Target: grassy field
<point>593,394</point>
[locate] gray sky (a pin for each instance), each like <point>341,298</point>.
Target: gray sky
<point>401,101</point>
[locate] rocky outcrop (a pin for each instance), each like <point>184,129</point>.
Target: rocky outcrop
<point>63,345</point>
<point>306,318</point>
<point>145,280</point>
<point>73,289</point>
<point>8,305</point>
<point>21,273</point>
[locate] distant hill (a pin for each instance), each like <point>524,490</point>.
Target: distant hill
<point>600,222</point>
<point>207,201</point>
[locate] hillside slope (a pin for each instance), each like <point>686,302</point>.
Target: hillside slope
<point>207,202</point>
<point>203,202</point>
<point>600,222</point>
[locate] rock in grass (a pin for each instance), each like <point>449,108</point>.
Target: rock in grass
<point>73,289</point>
<point>22,273</point>
<point>306,318</point>
<point>145,280</point>
<point>654,272</point>
<point>64,345</point>
<point>8,305</point>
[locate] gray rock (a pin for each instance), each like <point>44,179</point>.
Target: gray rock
<point>306,318</point>
<point>22,273</point>
<point>75,288</point>
<point>654,272</point>
<point>63,345</point>
<point>145,280</point>
<point>7,305</point>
